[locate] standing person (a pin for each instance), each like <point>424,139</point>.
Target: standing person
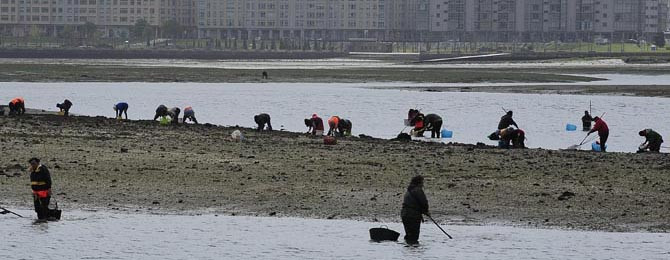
<point>40,182</point>
<point>190,115</point>
<point>333,122</point>
<point>261,120</point>
<point>119,108</point>
<point>603,132</point>
<point>586,121</point>
<point>653,141</point>
<point>507,120</point>
<point>174,114</point>
<point>17,106</point>
<point>65,107</point>
<point>315,125</point>
<point>161,111</point>
<point>413,206</point>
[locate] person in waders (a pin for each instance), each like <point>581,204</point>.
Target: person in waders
<point>586,121</point>
<point>414,205</point>
<point>603,132</point>
<point>40,182</point>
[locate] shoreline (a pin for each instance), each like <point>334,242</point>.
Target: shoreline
<point>114,165</point>
<point>662,91</point>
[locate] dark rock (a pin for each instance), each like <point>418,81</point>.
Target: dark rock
<point>566,195</point>
<point>273,213</point>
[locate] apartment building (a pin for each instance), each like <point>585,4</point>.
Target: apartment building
<point>387,20</point>
<point>112,17</point>
<point>325,19</point>
<point>546,19</point>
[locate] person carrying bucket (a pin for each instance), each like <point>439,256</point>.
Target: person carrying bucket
<point>40,183</point>
<point>603,132</point>
<point>653,141</point>
<point>65,107</point>
<point>17,106</point>
<point>414,205</point>
<point>586,121</point>
<point>121,108</point>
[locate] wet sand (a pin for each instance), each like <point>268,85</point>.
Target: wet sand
<point>101,163</point>
<point>129,73</point>
<point>572,89</point>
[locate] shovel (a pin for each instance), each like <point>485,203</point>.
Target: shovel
<point>574,147</point>
<point>5,211</point>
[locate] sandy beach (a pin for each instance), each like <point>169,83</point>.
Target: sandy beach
<point>108,164</point>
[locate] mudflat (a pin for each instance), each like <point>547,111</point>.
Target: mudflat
<point>109,164</point>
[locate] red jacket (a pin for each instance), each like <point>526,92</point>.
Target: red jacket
<point>600,126</point>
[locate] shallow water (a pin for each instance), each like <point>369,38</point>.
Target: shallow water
<point>104,235</point>
<point>374,112</point>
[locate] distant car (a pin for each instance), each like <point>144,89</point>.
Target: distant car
<point>85,47</point>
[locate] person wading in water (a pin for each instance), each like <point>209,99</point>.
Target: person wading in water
<point>413,206</point>
<point>40,182</point>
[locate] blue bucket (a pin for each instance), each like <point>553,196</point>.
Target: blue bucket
<point>596,147</point>
<point>447,134</point>
<point>570,127</point>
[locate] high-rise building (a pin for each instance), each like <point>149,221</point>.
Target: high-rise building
<point>386,20</point>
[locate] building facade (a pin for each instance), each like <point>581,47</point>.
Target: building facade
<point>384,20</point>
<point>544,20</point>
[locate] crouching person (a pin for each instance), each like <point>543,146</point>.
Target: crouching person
<point>17,106</point>
<point>262,120</point>
<point>174,114</point>
<point>653,141</point>
<point>65,107</point>
<point>189,114</point>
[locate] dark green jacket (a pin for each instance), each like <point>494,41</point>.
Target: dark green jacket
<point>653,137</point>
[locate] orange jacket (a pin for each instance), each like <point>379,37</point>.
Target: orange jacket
<point>16,100</point>
<point>334,121</point>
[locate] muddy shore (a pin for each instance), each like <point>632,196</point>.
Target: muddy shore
<point>128,73</point>
<point>573,89</point>
<point>101,163</point>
